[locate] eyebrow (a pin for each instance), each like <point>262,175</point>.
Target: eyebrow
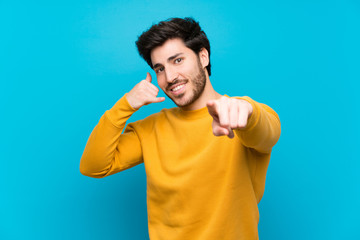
<point>169,59</point>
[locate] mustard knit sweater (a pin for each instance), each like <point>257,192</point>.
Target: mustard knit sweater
<point>199,186</point>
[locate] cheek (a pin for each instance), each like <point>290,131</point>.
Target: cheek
<point>187,72</point>
<point>161,83</point>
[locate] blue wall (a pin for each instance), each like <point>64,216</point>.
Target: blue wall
<point>63,64</point>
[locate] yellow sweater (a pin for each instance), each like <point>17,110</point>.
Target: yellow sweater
<point>199,186</point>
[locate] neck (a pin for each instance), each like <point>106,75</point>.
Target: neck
<point>208,94</point>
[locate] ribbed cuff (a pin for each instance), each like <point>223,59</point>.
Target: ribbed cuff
<point>120,112</point>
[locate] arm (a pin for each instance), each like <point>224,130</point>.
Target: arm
<point>256,124</point>
<point>107,150</point>
<point>263,128</point>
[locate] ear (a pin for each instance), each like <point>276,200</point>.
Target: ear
<point>204,57</point>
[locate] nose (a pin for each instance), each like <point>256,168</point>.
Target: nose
<point>171,74</point>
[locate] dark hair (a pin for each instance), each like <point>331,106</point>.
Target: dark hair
<point>186,29</point>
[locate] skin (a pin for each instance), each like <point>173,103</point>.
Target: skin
<point>176,65</point>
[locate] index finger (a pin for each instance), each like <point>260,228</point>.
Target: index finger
<point>213,108</point>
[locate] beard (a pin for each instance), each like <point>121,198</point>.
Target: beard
<point>198,81</point>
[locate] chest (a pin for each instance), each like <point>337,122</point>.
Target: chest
<point>182,150</point>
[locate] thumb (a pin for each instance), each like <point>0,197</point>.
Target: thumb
<point>158,99</point>
<point>148,77</point>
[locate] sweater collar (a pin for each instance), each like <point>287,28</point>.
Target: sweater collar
<point>192,114</point>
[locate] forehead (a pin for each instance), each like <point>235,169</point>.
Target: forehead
<point>169,48</point>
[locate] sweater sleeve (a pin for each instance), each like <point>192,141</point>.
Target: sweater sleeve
<point>107,151</point>
<point>263,128</point>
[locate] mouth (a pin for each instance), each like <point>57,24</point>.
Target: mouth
<point>178,88</point>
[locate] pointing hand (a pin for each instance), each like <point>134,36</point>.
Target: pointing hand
<point>144,93</point>
<point>229,114</point>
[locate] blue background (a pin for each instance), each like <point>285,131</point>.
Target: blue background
<point>64,63</point>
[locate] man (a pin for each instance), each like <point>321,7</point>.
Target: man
<point>205,160</point>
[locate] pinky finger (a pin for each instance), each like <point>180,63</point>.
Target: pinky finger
<point>242,120</point>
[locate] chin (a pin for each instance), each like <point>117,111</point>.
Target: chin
<point>184,102</point>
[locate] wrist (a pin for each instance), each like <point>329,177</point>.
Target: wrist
<point>132,103</point>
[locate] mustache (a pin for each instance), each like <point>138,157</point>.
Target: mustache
<point>176,81</point>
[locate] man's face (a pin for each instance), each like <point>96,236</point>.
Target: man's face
<point>179,72</point>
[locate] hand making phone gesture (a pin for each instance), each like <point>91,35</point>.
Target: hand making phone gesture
<point>144,93</point>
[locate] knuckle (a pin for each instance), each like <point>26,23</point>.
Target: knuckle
<point>214,104</point>
<point>241,125</point>
<point>224,100</point>
<point>224,124</point>
<point>244,104</point>
<point>144,83</point>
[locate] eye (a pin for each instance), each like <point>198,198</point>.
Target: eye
<point>178,60</point>
<point>160,69</point>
